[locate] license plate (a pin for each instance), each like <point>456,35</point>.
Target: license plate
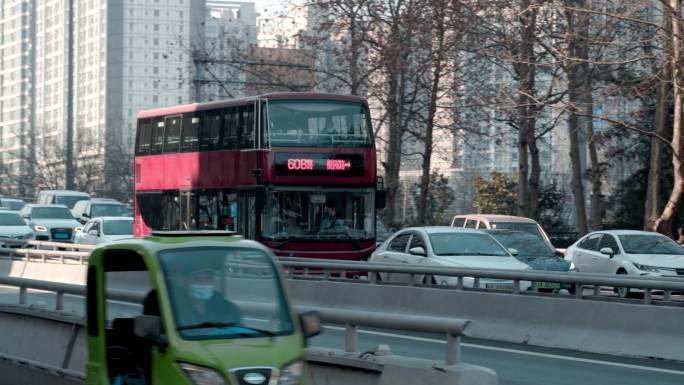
<point>548,285</point>
<point>61,236</point>
<point>499,286</point>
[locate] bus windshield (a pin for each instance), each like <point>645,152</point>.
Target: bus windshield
<point>327,214</point>
<point>225,292</point>
<point>313,123</point>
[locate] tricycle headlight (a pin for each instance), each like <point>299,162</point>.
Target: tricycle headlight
<point>292,374</point>
<point>40,228</point>
<point>202,376</point>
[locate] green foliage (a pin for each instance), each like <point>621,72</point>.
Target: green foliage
<point>440,197</point>
<point>496,195</point>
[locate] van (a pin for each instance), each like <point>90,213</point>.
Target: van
<point>209,307</point>
<point>501,222</point>
<point>61,197</point>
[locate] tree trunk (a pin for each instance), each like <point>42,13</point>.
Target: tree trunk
<point>525,70</point>
<point>535,175</point>
<point>653,202</point>
<point>432,111</point>
<point>664,222</point>
<point>575,80</point>
<point>393,160</point>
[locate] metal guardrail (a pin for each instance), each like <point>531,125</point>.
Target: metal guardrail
<point>352,319</point>
<point>339,271</point>
<point>44,251</point>
<point>62,289</point>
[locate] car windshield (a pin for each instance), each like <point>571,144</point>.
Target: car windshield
<point>456,244</point>
<point>649,244</point>
<point>15,205</point>
<point>69,200</point>
<point>51,213</point>
<point>118,227</point>
<point>11,219</point>
<point>108,210</point>
<point>314,123</point>
<point>225,292</point>
<point>527,244</point>
<point>327,214</point>
<point>531,228</point>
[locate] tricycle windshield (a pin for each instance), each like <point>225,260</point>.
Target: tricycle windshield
<point>225,292</point>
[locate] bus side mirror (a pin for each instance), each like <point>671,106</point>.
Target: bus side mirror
<point>311,323</point>
<point>380,198</point>
<point>149,327</point>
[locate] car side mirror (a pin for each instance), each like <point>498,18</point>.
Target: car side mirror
<point>608,251</point>
<point>513,251</point>
<point>149,327</point>
<point>417,251</point>
<point>311,323</point>
<point>94,233</point>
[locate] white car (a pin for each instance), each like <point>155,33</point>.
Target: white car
<point>637,253</point>
<point>50,222</point>
<point>105,229</point>
<point>447,247</point>
<point>12,226</point>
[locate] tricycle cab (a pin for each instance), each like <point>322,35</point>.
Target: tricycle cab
<point>186,308</point>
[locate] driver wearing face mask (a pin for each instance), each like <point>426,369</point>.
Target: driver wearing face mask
<point>203,303</point>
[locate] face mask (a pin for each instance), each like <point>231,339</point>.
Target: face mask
<point>202,292</point>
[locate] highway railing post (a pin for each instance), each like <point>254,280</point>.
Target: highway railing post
<point>351,336</point>
<point>453,355</point>
<point>22,295</point>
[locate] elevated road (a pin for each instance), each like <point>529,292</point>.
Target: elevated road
<point>515,364</point>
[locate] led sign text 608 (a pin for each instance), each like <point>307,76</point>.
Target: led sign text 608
<point>300,164</point>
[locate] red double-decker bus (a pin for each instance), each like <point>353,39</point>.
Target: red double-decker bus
<point>295,171</point>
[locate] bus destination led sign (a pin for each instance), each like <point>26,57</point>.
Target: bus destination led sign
<point>316,164</point>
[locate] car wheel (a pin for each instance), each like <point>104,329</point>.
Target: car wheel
<point>623,292</point>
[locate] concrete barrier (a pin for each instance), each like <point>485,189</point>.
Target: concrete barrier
<point>56,271</point>
<point>47,347</point>
<point>590,326</point>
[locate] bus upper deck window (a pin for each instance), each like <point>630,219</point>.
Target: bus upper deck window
<point>144,136</point>
<point>211,128</point>
<point>157,136</point>
<point>190,132</point>
<point>172,134</point>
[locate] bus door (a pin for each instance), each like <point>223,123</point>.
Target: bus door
<point>188,204</point>
<point>248,213</point>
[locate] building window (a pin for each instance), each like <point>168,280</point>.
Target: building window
<point>156,27</point>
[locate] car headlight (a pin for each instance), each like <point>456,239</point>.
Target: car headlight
<point>202,376</point>
<point>572,267</point>
<point>40,228</point>
<point>78,229</point>
<point>651,269</point>
<point>291,374</point>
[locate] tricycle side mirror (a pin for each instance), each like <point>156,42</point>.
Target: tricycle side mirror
<point>149,327</point>
<point>311,323</point>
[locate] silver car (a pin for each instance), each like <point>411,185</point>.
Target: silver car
<point>448,247</point>
<point>13,227</point>
<point>105,229</point>
<point>51,222</point>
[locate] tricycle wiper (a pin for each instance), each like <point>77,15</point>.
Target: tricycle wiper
<point>208,325</point>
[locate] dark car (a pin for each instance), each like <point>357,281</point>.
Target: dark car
<point>535,253</point>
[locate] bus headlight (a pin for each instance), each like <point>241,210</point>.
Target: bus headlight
<point>291,374</point>
<point>202,376</point>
